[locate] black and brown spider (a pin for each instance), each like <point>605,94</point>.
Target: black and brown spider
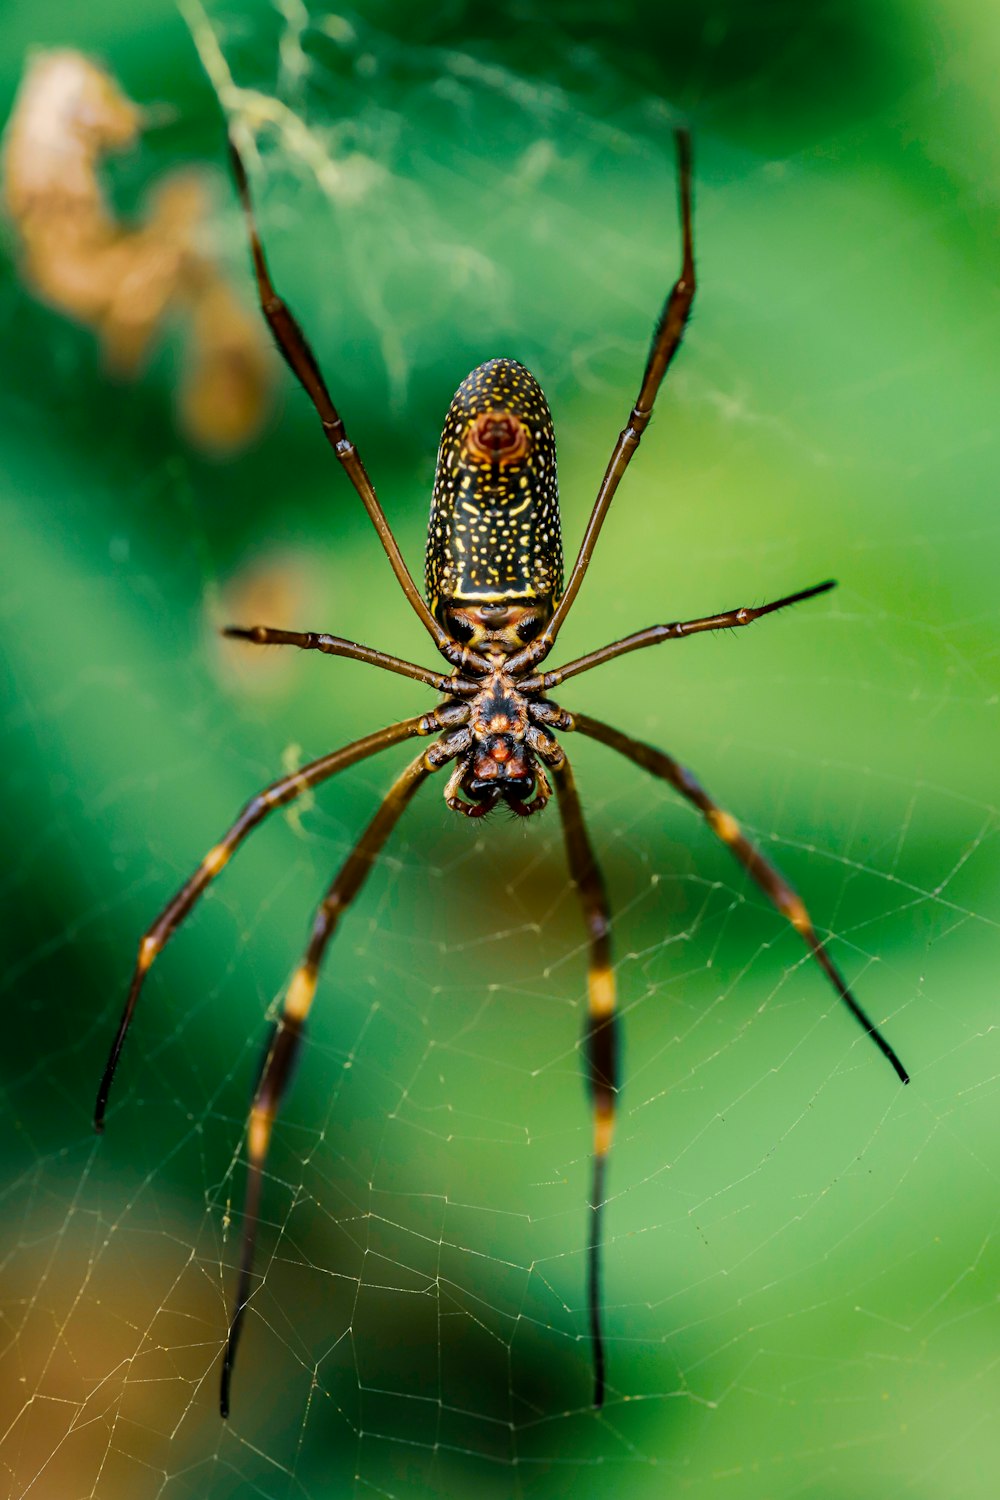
<point>495,606</point>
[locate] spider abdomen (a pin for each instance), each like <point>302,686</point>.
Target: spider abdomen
<point>494,537</point>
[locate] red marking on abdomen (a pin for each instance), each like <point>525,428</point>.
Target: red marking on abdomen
<point>497,437</point>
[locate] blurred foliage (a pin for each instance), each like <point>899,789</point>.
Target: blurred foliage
<point>802,1259</point>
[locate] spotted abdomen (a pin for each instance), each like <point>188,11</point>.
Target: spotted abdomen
<point>494,529</point>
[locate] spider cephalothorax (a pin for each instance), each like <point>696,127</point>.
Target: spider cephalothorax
<point>495,605</point>
<point>506,741</point>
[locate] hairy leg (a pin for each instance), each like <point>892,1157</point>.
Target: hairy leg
<point>277,794</point>
<point>601,1036</point>
<point>770,880</point>
<point>286,1039</point>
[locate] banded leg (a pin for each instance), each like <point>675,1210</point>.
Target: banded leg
<point>276,795</point>
<point>335,645</point>
<point>601,1036</point>
<point>279,1059</point>
<point>666,341</point>
<point>655,635</point>
<point>298,355</point>
<point>770,880</point>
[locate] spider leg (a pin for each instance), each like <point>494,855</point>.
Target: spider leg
<point>335,645</point>
<point>601,1035</point>
<point>275,795</point>
<point>771,882</point>
<point>295,349</point>
<point>666,341</point>
<point>654,635</point>
<point>286,1038</point>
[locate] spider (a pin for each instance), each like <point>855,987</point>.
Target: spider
<point>495,605</point>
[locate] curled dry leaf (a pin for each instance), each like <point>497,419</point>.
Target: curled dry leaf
<point>126,281</point>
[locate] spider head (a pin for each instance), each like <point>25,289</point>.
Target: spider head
<point>501,766</point>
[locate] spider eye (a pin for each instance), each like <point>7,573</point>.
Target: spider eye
<point>529,628</point>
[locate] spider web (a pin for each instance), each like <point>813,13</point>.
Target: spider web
<point>801,1258</point>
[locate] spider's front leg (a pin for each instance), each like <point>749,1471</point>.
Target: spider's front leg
<point>600,1037</point>
<point>768,878</point>
<point>286,1038</point>
<point>278,794</point>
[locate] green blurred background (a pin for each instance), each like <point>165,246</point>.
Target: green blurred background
<point>802,1259</point>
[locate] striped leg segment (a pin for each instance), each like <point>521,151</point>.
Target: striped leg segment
<point>276,795</point>
<point>279,1059</point>
<point>601,1036</point>
<point>771,882</point>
